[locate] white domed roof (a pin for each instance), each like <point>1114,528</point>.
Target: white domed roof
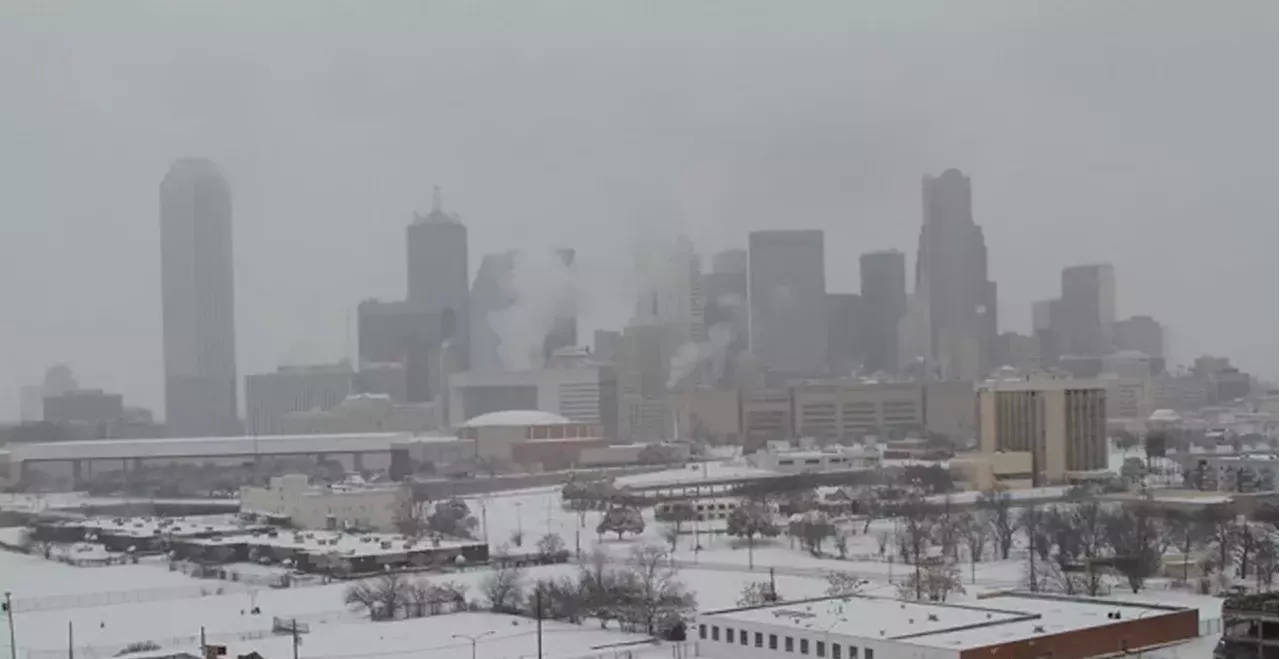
<point>1164,415</point>
<point>516,418</point>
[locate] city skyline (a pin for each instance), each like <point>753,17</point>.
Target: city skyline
<point>330,154</point>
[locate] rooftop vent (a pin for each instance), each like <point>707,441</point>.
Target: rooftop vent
<point>1039,629</point>
<point>933,617</point>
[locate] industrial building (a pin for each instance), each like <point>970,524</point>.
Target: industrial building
<point>1004,626</point>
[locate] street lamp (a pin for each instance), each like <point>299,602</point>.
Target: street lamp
<point>473,640</point>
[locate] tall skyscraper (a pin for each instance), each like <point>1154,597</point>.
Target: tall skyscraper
<point>952,267</point>
<point>438,274</point>
<point>1088,309</point>
<point>671,292</point>
<point>884,302</point>
<point>787,289</point>
<point>843,335</point>
<point>198,301</point>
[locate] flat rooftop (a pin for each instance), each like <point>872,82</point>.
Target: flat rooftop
<point>334,542</point>
<point>994,620</point>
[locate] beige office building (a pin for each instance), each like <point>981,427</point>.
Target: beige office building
<point>1062,423</point>
<point>851,409</point>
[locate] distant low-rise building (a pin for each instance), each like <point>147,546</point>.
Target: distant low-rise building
<point>271,396</point>
<point>332,507</point>
<point>1232,473</point>
<point>359,413</point>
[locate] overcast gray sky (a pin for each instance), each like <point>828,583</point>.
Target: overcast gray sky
<point>1139,133</point>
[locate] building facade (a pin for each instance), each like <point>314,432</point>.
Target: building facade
<point>787,297</point>
<point>438,274</point>
<point>1062,423</point>
<point>884,302</point>
<point>851,410</point>
<point>580,389</point>
<point>405,334</point>
<point>1141,333</point>
<point>198,301</point>
<point>91,406</point>
<point>843,341</point>
<point>270,397</point>
<point>951,277</point>
<point>1088,309</point>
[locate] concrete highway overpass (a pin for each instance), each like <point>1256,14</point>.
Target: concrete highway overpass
<point>83,456</point>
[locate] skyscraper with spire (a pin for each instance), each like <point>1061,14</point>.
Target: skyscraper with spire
<point>951,279</point>
<point>438,273</point>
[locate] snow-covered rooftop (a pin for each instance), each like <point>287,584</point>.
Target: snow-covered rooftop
<point>188,447</point>
<point>345,544</point>
<point>516,418</point>
<point>992,620</point>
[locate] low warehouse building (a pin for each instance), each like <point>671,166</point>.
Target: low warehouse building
<point>1005,626</point>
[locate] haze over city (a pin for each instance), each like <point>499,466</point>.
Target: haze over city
<point>1133,133</point>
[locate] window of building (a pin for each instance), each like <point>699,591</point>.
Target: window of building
<point>853,652</point>
<point>759,640</point>
<point>773,641</point>
<point>869,654</point>
<point>702,632</point>
<point>786,462</point>
<point>835,651</point>
<point>715,633</point>
<point>804,646</point>
<point>813,461</point>
<point>742,636</point>
<point>789,646</point>
<point>728,634</point>
<point>820,648</point>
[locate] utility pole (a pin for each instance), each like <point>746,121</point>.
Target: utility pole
<point>204,648</point>
<point>537,598</point>
<point>8,612</point>
<point>773,587</point>
<point>293,631</point>
<point>71,641</point>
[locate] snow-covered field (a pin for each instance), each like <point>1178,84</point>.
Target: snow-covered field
<point>148,602</point>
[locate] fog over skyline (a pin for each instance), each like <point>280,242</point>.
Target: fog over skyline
<point>1138,133</point>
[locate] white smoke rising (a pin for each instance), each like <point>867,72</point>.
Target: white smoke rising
<point>714,351</point>
<point>543,289</point>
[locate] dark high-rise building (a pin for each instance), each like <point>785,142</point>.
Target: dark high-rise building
<point>951,270</point>
<point>401,333</point>
<point>198,301</point>
<point>438,274</point>
<point>843,336</point>
<point>725,313</point>
<point>787,291</point>
<point>1088,309</point>
<point>1141,333</point>
<point>884,301</point>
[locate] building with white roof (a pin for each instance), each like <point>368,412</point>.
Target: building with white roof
<point>330,507</point>
<point>1005,626</point>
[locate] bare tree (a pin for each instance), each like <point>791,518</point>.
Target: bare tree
<point>504,588</point>
<point>841,584</point>
<point>976,530</point>
<point>411,513</point>
<point>999,507</point>
<point>1186,535</point>
<point>657,593</point>
<point>1131,534</point>
<point>751,519</point>
<point>842,544</point>
<point>946,530</point>
<point>813,528</point>
<point>382,596</point>
<point>758,593</point>
<point>1218,528</point>
<point>882,541</point>
<point>915,533</point>
<point>934,582</point>
<point>601,587</point>
<point>560,599</point>
<point>550,545</point>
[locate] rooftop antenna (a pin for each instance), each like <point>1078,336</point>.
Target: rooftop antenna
<point>436,203</point>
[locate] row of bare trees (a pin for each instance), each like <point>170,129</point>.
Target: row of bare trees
<point>397,595</point>
<point>641,593</point>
